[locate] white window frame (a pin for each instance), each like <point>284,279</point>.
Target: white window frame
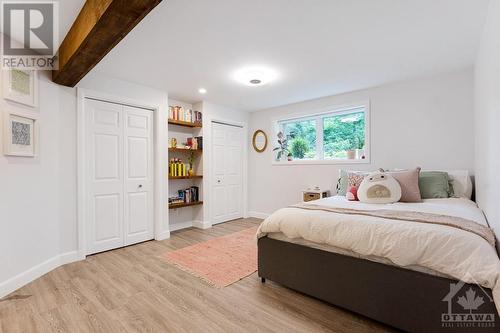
<point>334,110</point>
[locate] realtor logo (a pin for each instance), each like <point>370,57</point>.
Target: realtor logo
<point>30,34</point>
<point>465,307</point>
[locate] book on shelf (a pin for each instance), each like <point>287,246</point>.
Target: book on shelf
<point>182,114</point>
<point>195,142</point>
<point>188,195</point>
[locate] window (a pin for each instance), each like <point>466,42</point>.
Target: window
<point>335,136</point>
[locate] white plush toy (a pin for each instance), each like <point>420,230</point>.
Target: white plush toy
<point>379,187</point>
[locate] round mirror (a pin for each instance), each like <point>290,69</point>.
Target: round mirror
<point>259,141</point>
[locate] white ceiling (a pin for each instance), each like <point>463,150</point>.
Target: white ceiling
<point>319,47</point>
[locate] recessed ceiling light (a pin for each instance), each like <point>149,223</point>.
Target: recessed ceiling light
<point>202,91</point>
<point>255,75</point>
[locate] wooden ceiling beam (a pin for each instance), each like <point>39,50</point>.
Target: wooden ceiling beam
<point>100,25</point>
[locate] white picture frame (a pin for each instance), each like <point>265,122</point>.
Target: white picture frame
<point>21,86</point>
<point>20,134</point>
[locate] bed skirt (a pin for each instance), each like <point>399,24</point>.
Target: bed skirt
<point>405,299</point>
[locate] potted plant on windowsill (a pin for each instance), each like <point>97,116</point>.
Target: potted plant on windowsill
<point>282,149</point>
<point>351,151</point>
<point>360,151</point>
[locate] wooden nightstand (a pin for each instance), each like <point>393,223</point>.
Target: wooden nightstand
<point>314,194</point>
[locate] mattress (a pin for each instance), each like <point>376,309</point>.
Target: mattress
<point>329,248</point>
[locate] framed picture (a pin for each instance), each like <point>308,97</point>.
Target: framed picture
<point>20,134</point>
<point>21,86</point>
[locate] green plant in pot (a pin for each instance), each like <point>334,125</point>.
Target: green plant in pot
<point>360,151</point>
<point>282,149</point>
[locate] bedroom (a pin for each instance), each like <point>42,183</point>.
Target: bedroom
<point>150,224</point>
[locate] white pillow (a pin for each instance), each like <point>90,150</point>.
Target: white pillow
<point>462,183</point>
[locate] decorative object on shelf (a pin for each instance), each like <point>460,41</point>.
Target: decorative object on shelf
<point>191,161</point>
<point>177,168</point>
<point>20,134</point>
<point>282,150</point>
<point>290,157</point>
<point>173,143</point>
<point>21,86</point>
<point>259,141</point>
<point>314,193</point>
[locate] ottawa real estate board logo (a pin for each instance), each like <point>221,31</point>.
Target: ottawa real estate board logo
<point>468,307</point>
<point>30,34</point>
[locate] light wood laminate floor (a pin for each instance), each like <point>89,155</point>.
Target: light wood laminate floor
<point>132,290</point>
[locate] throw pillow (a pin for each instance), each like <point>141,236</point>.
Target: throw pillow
<point>434,184</point>
<point>408,180</point>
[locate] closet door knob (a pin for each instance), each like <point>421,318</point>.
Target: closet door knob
<point>140,185</point>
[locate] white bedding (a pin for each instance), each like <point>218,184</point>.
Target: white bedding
<point>446,250</point>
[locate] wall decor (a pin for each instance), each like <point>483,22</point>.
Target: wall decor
<point>20,134</point>
<point>21,86</point>
<point>259,141</point>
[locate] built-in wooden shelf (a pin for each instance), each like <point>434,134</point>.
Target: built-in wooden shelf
<point>185,123</point>
<point>185,150</point>
<point>186,177</point>
<point>184,204</point>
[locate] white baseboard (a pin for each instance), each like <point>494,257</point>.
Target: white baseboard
<point>258,215</point>
<point>182,225</point>
<point>37,271</point>
<point>202,224</point>
<point>163,235</point>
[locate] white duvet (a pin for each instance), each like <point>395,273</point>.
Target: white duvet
<point>450,251</point>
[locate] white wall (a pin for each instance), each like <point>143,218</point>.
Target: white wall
<point>426,122</point>
<point>30,190</point>
<point>487,118</point>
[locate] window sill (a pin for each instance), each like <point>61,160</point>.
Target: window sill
<point>322,162</point>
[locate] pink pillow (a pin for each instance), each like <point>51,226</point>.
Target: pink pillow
<point>352,193</point>
<point>408,180</point>
<point>353,182</point>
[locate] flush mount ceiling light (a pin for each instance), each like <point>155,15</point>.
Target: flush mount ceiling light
<point>202,91</point>
<point>255,76</point>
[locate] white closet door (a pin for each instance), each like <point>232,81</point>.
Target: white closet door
<point>138,214</point>
<point>227,166</point>
<point>104,176</point>
<point>120,189</point>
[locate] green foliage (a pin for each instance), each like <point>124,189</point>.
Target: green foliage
<point>303,134</point>
<point>341,133</point>
<point>299,147</point>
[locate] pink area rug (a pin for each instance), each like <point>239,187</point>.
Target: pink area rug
<point>220,261</point>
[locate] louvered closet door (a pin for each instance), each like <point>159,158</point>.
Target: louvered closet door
<point>119,175</point>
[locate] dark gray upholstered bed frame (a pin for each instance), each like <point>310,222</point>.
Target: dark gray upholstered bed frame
<point>405,299</point>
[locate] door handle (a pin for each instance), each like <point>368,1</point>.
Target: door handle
<point>140,185</point>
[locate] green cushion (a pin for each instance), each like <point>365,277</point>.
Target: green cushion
<point>435,184</point>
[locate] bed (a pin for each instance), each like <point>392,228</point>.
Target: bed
<point>415,275</point>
